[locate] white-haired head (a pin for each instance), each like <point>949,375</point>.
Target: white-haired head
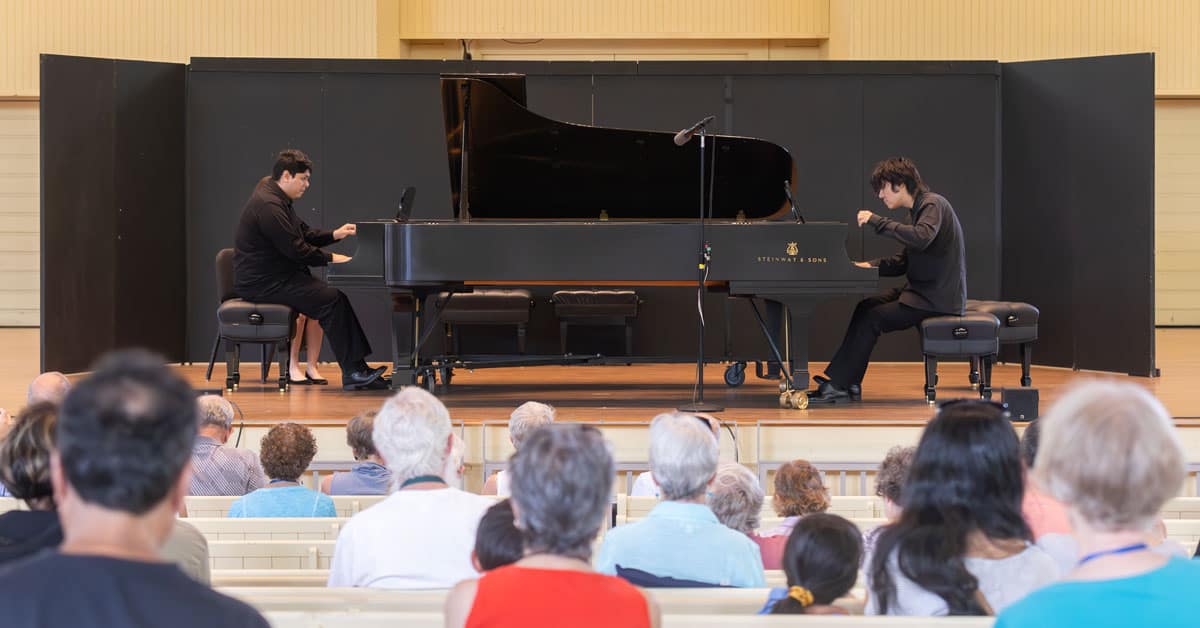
<point>1111,453</point>
<point>51,387</point>
<point>213,411</point>
<point>412,433</point>
<point>736,497</point>
<point>528,417</point>
<point>683,455</point>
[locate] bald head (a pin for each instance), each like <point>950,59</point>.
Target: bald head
<point>50,387</point>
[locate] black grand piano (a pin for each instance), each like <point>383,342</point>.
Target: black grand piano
<point>541,201</point>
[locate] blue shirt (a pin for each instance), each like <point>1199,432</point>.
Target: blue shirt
<point>684,541</point>
<point>365,478</point>
<point>286,501</point>
<point>1165,597</point>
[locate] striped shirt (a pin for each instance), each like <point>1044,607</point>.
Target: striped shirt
<point>218,470</point>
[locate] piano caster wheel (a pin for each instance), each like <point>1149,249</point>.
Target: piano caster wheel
<point>793,399</point>
<point>783,387</point>
<point>735,374</point>
<point>427,381</point>
<point>231,384</point>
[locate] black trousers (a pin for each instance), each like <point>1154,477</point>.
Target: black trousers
<point>315,299</point>
<point>875,315</point>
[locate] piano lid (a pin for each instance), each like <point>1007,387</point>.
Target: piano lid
<point>521,165</point>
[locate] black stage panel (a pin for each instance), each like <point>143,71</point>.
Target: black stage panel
<point>112,136</point>
<point>1079,207</point>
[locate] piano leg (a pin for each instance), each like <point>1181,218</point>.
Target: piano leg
<point>799,313</point>
<point>406,320</point>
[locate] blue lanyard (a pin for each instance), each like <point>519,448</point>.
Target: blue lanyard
<point>1110,552</point>
<point>422,478</point>
<point>283,481</point>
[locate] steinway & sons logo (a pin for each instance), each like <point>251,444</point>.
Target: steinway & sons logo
<point>793,257</point>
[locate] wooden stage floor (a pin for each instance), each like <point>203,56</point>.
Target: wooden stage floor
<point>893,391</point>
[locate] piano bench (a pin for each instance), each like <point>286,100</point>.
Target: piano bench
<point>973,335</point>
<point>485,307</point>
<point>595,307</point>
<point>1018,326</point>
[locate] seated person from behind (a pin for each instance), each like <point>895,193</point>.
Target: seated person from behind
<point>497,541</point>
<point>287,449</point>
<point>218,470</point>
<point>368,476</point>
<point>421,536</point>
<point>799,492</point>
<point>523,420</point>
<point>960,546</point>
<point>1117,580</point>
<point>821,562</point>
<point>889,486</point>
<point>643,484</point>
<point>119,473</point>
<point>681,538</point>
<point>736,498</point>
<point>562,479</point>
<point>49,387</point>
<point>25,467</point>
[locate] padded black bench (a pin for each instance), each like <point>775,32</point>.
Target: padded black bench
<point>485,307</point>
<point>1018,325</point>
<point>595,307</point>
<point>972,335</point>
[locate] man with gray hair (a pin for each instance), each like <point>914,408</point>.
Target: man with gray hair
<point>218,470</point>
<point>526,418</point>
<point>422,535</point>
<point>681,539</point>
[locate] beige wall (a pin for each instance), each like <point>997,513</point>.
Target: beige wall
<point>175,30</point>
<point>19,206</point>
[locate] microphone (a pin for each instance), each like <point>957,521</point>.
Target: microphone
<point>684,136</point>
<point>787,191</point>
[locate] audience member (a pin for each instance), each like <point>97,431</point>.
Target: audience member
<point>681,538</point>
<point>218,470</point>
<point>1113,458</point>
<point>960,546</point>
<point>123,439</point>
<point>521,422</point>
<point>25,467</point>
<point>562,480</point>
<point>368,476</point>
<point>287,449</point>
<point>736,498</point>
<point>421,536</point>
<point>497,541</point>
<point>889,486</point>
<point>643,484</point>
<point>1044,514</point>
<point>49,387</point>
<point>821,563</point>
<point>799,491</point>
<point>187,548</point>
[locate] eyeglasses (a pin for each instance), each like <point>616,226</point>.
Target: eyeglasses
<point>1002,408</point>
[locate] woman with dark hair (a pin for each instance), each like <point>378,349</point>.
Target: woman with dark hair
<point>960,546</point>
<point>821,562</point>
<point>562,478</point>
<point>286,451</point>
<point>25,470</point>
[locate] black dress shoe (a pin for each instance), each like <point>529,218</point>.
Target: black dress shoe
<point>317,381</point>
<point>855,390</point>
<point>362,379</point>
<point>298,382</point>
<point>828,393</point>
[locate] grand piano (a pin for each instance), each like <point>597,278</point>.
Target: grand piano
<point>538,201</point>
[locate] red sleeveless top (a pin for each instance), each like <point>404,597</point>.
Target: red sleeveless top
<point>531,598</point>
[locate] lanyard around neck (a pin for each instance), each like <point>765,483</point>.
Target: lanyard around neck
<point>1111,552</point>
<point>422,478</point>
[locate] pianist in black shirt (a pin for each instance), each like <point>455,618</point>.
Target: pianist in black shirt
<point>933,260</point>
<point>273,251</point>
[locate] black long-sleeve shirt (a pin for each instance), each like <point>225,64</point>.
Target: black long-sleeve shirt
<point>272,243</point>
<point>934,256</point>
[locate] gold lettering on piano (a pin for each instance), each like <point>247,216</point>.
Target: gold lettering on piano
<point>798,259</point>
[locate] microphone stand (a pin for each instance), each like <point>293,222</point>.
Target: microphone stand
<point>698,404</point>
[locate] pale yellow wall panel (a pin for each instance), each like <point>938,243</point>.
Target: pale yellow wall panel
<point>1011,30</point>
<point>175,30</point>
<point>613,19</point>
<point>1177,212</point>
